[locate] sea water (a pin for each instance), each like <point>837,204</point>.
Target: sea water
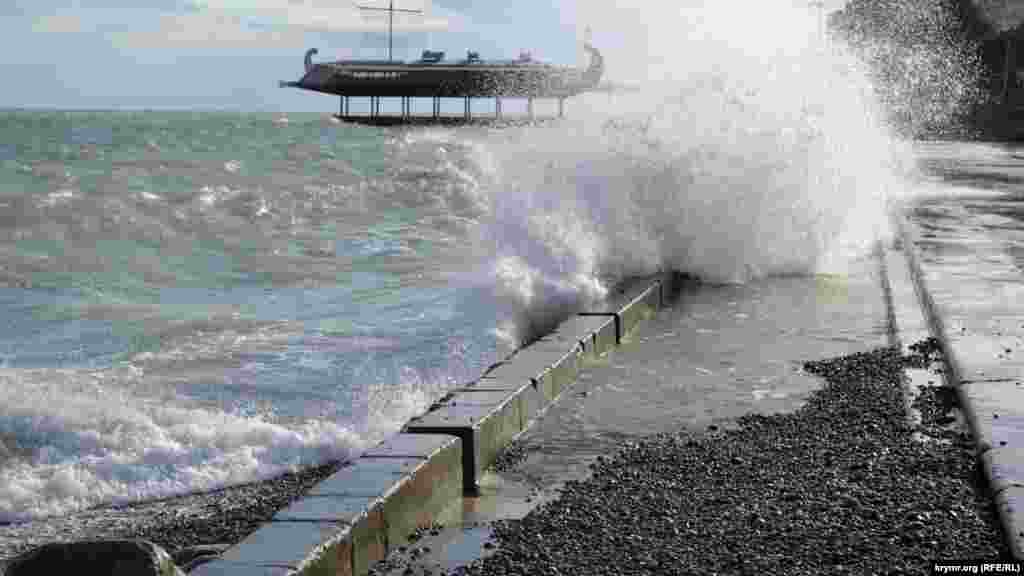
<point>195,299</point>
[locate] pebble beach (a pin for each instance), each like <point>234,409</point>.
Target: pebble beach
<point>846,484</point>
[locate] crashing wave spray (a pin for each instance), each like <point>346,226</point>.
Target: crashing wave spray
<point>754,148</point>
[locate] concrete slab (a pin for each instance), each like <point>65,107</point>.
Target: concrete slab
<point>477,396</point>
<point>989,296</point>
<point>637,302</point>
<point>484,430</point>
<point>645,305</point>
<point>606,337</point>
<point>596,333</point>
<point>561,373</point>
<point>409,446</point>
<point>995,412</point>
<point>307,547</point>
<point>411,492</point>
<point>628,290</point>
<point>340,509</point>
<point>531,399</point>
<point>523,367</point>
<point>1004,468</point>
<point>908,325</point>
<point>983,356</point>
<point>1010,507</point>
<point>549,366</point>
<point>225,568</point>
<point>371,533</point>
<point>366,477</point>
<point>910,322</point>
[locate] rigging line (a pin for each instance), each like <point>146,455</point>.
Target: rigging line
<point>391,19</point>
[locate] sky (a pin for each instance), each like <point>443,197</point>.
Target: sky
<point>230,54</point>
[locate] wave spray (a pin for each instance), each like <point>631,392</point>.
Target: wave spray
<point>752,146</point>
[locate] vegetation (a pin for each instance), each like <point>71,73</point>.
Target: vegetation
<point>937,64</point>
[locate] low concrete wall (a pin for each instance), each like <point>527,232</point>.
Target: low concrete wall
<point>352,519</point>
<point>492,411</point>
<point>484,421</point>
<point>635,303</point>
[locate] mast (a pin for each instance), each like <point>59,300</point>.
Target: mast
<point>391,19</point>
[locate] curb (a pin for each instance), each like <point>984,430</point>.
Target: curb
<point>993,407</point>
<point>358,515</point>
<point>906,321</point>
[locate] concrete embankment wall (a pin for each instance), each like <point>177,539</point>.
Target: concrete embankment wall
<point>355,517</point>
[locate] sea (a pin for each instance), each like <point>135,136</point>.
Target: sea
<point>196,299</point>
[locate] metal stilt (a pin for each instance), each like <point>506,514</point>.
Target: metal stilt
<point>561,107</point>
<point>1009,68</point>
<point>529,107</point>
<point>497,108</point>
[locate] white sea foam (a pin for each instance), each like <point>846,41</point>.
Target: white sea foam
<point>79,437</point>
<point>86,438</point>
<point>62,196</point>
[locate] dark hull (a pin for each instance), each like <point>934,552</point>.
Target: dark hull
<point>450,80</point>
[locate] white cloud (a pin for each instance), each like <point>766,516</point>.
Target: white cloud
<point>279,23</point>
<point>58,24</point>
<point>206,30</point>
<point>254,24</point>
<point>329,15</point>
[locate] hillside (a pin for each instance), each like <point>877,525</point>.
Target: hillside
<point>938,65</point>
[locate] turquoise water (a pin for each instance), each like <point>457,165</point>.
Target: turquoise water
<point>235,292</point>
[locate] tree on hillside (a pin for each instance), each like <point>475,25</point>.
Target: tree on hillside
<point>925,58</point>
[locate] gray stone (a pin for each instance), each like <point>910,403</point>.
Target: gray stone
<point>107,557</point>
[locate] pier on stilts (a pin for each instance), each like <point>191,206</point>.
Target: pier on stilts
<point>432,77</point>
<point>406,114</point>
